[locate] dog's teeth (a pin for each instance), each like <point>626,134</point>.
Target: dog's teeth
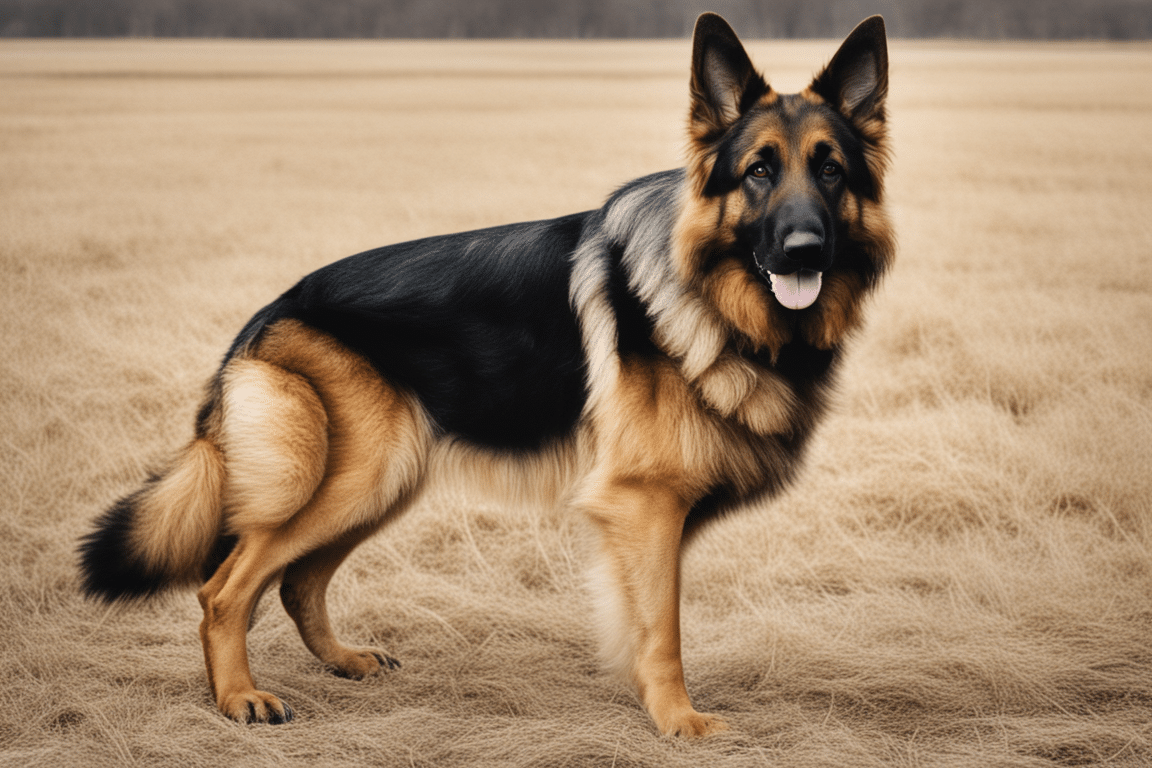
<point>797,290</point>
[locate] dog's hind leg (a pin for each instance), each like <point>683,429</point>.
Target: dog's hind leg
<point>308,548</point>
<point>272,429</point>
<point>230,595</point>
<point>363,457</point>
<point>228,599</point>
<point>303,592</point>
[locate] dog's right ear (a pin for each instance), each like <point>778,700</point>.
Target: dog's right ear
<point>724,82</point>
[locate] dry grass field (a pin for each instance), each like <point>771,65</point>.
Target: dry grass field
<point>963,576</point>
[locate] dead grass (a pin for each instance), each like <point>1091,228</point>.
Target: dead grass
<point>962,578</point>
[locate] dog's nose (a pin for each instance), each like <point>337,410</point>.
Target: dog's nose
<point>803,247</point>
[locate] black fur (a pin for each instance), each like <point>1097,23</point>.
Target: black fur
<point>223,547</point>
<point>477,324</point>
<point>108,568</point>
<point>633,326</point>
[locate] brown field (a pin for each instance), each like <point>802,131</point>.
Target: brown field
<point>963,576</point>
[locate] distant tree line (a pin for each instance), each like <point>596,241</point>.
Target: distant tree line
<point>1023,19</point>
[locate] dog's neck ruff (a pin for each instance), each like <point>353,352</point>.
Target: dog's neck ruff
<point>640,220</point>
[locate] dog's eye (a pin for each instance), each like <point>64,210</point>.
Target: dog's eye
<point>759,171</point>
<point>831,170</point>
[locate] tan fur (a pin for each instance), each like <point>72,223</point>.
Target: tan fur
<point>746,304</point>
<point>695,336</point>
<point>697,225</point>
<point>178,517</point>
<point>758,397</point>
<point>873,226</point>
<point>872,126</point>
<point>837,313</point>
<point>655,430</point>
<point>727,383</point>
<point>540,478</point>
<point>274,431</point>
<point>770,408</point>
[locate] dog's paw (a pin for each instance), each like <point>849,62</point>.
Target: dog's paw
<point>256,707</point>
<point>358,663</point>
<point>693,725</point>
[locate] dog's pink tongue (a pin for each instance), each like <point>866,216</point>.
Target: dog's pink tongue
<point>797,290</point>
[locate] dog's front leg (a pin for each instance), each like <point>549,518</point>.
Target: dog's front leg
<point>640,527</point>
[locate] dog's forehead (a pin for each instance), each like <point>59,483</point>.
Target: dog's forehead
<point>792,125</point>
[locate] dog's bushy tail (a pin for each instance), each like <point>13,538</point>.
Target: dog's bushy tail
<point>162,535</point>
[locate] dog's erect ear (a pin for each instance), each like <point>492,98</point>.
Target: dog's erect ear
<point>856,80</point>
<point>724,83</point>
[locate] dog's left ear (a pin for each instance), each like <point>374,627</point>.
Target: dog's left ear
<point>855,82</point>
<point>724,82</point>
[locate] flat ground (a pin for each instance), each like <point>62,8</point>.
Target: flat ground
<point>961,578</point>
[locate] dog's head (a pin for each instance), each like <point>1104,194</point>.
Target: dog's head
<point>784,227</point>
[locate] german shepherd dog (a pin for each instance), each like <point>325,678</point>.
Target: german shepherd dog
<point>654,363</point>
